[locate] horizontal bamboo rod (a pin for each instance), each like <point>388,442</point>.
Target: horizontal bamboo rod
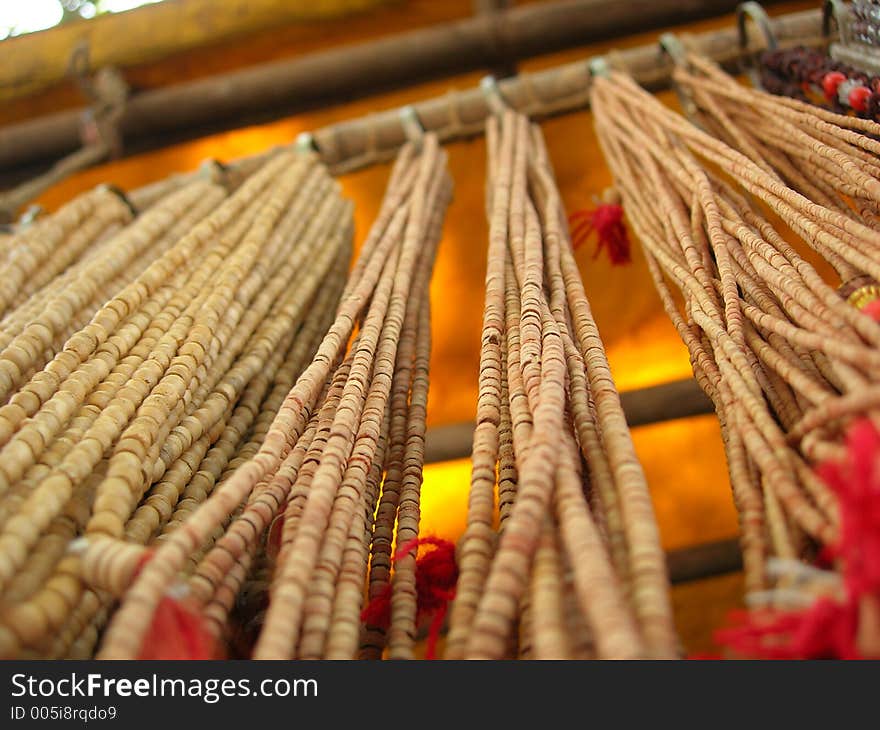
<point>642,407</point>
<point>353,144</point>
<point>376,138</point>
<point>705,560</point>
<point>157,31</point>
<point>270,91</point>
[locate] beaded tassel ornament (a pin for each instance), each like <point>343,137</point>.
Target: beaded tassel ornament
<point>789,361</point>
<point>355,414</point>
<point>142,360</point>
<point>568,564</point>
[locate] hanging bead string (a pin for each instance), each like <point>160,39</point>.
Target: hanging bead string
<point>114,576</point>
<point>344,632</point>
<point>405,608</point>
<point>207,587</point>
<point>213,567</point>
<point>552,567</point>
<point>36,512</point>
<point>196,548</point>
<point>42,250</point>
<point>477,545</point>
<point>30,333</point>
<point>134,421</point>
<point>828,231</point>
<point>377,254</point>
<point>837,241</point>
<point>768,338</point>
<point>399,499</point>
<point>647,567</point>
<point>301,598</point>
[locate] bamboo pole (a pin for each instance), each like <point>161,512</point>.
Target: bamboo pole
<point>184,111</point>
<point>361,142</point>
<point>562,89</point>
<point>156,31</point>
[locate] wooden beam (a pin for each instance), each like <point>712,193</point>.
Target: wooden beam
<point>642,407</point>
<point>357,143</point>
<point>37,60</point>
<point>491,9</point>
<point>184,111</point>
<point>704,561</point>
<point>666,402</point>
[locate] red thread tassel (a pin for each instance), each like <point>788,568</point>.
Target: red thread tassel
<point>377,612</point>
<point>831,629</point>
<point>856,483</point>
<point>436,575</point>
<point>177,630</point>
<point>606,220</point>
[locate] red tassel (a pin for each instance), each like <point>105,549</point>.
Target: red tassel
<point>831,629</point>
<point>826,630</point>
<point>436,575</point>
<point>178,632</point>
<point>857,486</point>
<point>377,612</point>
<point>872,309</point>
<point>607,221</point>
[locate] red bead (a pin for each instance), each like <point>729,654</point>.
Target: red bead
<point>872,309</point>
<point>858,98</point>
<point>830,82</point>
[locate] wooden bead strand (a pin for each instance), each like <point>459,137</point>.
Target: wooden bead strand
<point>365,399</point>
<point>252,483</point>
<point>215,304</point>
<point>786,359</point>
<point>576,567</point>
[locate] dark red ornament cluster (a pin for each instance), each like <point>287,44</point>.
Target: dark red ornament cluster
<point>811,76</point>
